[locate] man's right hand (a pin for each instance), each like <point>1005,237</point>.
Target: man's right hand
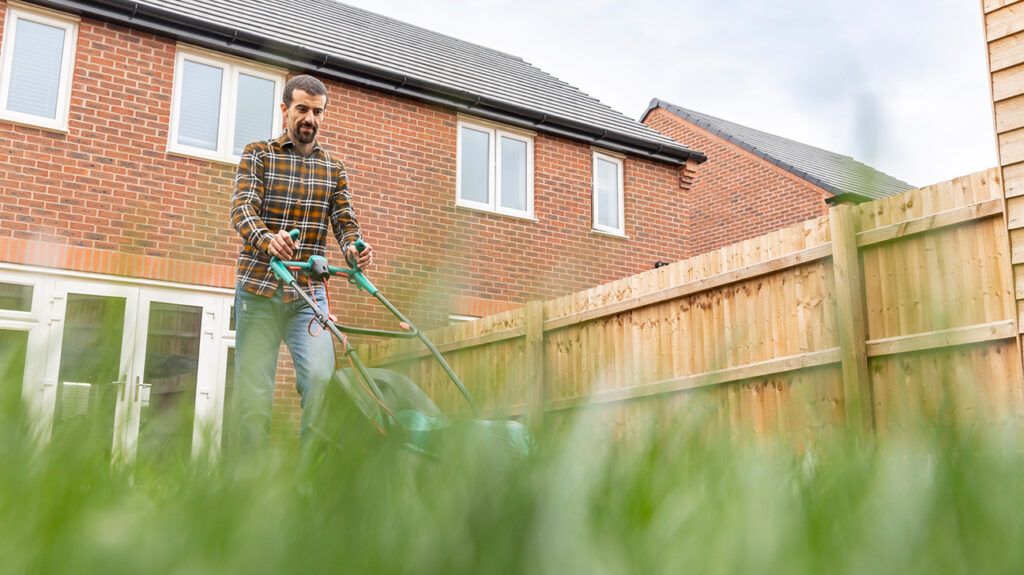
<point>282,246</point>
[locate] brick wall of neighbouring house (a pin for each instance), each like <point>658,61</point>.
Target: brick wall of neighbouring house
<point>735,194</point>
<point>107,197</point>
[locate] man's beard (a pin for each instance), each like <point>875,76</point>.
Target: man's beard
<point>304,137</point>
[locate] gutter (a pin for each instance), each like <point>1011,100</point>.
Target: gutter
<point>228,40</point>
<point>847,198</point>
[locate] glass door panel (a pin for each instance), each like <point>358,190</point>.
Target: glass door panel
<point>222,417</point>
<point>91,374</point>
<point>167,390</point>
<point>15,297</point>
<point>175,370</point>
<point>227,419</point>
<point>13,349</point>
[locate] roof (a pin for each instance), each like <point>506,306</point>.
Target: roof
<point>832,172</point>
<point>357,46</point>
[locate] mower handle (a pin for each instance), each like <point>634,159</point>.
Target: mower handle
<point>319,267</point>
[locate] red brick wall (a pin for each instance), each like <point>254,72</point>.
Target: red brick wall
<point>107,197</point>
<point>735,194</point>
<point>109,184</point>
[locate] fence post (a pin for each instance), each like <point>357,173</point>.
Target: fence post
<point>533,361</point>
<point>850,319</point>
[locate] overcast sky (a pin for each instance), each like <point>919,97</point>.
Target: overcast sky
<point>898,84</point>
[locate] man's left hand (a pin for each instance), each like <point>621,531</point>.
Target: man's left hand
<point>363,259</point>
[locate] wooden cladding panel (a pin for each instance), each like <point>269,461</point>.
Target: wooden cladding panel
<point>1013,175</point>
<point>1008,83</point>
<point>1007,52</point>
<point>1009,114</point>
<point>1017,246</point>
<point>1015,213</point>
<point>1011,147</point>
<point>992,5</point>
<point>1018,281</point>
<point>1004,22</point>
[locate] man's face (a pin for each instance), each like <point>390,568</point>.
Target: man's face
<point>303,117</point>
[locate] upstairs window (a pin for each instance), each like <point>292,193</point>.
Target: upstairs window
<point>220,105</point>
<point>608,195</point>
<point>37,65</point>
<point>495,170</point>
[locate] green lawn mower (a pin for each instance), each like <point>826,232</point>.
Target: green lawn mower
<point>367,407</point>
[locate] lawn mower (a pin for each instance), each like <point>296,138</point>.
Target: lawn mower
<point>363,405</point>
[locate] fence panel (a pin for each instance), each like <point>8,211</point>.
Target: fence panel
<point>758,337</point>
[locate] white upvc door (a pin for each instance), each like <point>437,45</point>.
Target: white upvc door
<point>173,386</point>
<point>88,367</point>
<point>135,368</point>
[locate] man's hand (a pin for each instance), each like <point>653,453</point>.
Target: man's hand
<point>364,258</point>
<point>282,246</point>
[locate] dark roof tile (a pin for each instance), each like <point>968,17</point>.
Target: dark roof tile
<point>833,172</point>
<point>370,41</point>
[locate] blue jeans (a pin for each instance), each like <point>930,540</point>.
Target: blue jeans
<point>260,325</point>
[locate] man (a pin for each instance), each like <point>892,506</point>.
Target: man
<point>283,184</point>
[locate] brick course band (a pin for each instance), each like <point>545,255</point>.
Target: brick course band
<point>106,262</point>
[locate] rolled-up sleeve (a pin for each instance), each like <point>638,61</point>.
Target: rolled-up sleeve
<point>247,199</point>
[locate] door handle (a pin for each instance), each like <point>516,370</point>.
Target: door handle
<point>139,385</point>
<point>120,386</point>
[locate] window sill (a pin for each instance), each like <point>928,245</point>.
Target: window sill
<point>21,121</point>
<point>524,217</point>
<point>208,158</point>
<point>609,234</point>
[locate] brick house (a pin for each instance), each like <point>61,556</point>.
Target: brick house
<point>755,182</point>
<point>481,180</point>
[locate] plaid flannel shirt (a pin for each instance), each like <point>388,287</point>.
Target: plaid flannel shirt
<point>276,188</point>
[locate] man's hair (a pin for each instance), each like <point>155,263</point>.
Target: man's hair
<point>307,84</point>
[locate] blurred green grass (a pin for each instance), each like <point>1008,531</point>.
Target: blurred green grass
<point>940,498</point>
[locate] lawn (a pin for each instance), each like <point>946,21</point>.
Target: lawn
<point>937,499</point>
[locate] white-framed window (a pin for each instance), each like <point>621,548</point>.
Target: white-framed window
<point>220,104</point>
<point>495,169</point>
<point>38,61</point>
<point>608,199</point>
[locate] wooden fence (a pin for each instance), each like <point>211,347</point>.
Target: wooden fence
<point>866,317</point>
